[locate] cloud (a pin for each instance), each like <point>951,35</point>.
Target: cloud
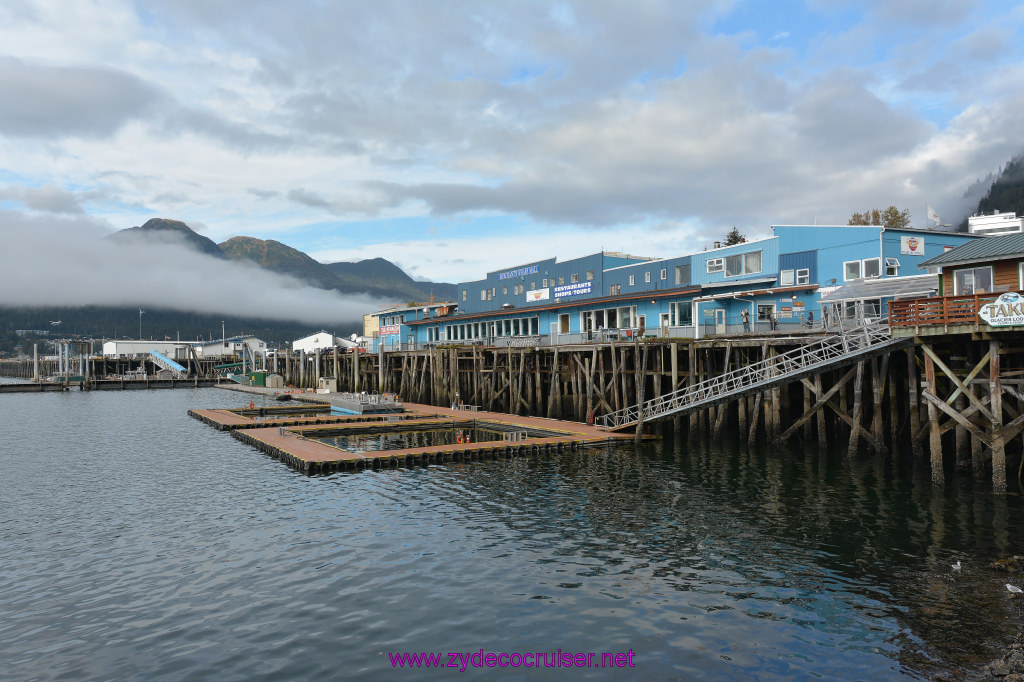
<point>46,199</point>
<point>48,101</point>
<point>134,274</point>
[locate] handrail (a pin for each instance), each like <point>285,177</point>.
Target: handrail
<point>827,350</point>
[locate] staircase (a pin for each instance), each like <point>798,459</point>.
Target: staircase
<point>165,362</point>
<point>834,351</point>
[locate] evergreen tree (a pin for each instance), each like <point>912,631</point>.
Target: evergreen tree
<point>734,237</point>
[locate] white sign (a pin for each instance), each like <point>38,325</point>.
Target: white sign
<point>574,289</point>
<point>1005,311</point>
<point>537,295</point>
<point>911,246</point>
<point>390,330</point>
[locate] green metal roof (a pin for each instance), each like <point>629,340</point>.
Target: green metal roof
<point>977,250</point>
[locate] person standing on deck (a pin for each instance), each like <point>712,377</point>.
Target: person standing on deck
<point>745,316</point>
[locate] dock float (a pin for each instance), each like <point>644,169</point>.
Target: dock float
<point>297,444</point>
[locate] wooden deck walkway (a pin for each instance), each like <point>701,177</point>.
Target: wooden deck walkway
<point>291,444</point>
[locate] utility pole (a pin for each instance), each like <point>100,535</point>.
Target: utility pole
<point>141,311</point>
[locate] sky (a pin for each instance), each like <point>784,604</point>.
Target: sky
<point>458,137</point>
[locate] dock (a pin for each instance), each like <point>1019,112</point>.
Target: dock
<point>288,434</point>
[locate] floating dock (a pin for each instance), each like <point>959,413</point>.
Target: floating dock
<point>290,434</point>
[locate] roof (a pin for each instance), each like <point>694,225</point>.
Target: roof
<point>885,287</point>
<point>983,249</point>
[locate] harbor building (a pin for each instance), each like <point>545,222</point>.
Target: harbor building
<point>776,283</point>
<point>995,223</point>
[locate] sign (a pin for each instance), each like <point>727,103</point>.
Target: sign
<point>1005,311</point>
<point>911,246</point>
<point>537,295</point>
<point>575,289</point>
<point>528,270</point>
<point>390,330</point>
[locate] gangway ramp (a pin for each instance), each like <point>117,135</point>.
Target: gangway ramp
<point>165,362</point>
<point>831,352</point>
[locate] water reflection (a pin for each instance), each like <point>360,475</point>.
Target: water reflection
<point>141,544</point>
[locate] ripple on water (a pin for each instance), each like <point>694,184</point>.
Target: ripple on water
<point>141,544</point>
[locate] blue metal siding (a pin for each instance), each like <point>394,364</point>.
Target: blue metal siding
<point>769,249</point>
<point>801,260</point>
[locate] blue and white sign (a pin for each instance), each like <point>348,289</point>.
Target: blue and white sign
<point>528,270</point>
<point>575,289</point>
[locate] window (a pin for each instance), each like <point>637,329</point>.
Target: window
<point>561,281</point>
<point>972,281</point>
<point>664,274</point>
<point>872,267</point>
<point>533,286</point>
<point>544,283</point>
<point>892,267</point>
<point>786,278</point>
<point>504,290</point>
<point>765,311</point>
<point>463,295</point>
<point>743,264</point>
<point>803,276</point>
<point>647,277</point>
<point>682,274</point>
<point>590,275</point>
<point>615,289</point>
<point>716,265</point>
<point>483,294</point>
<point>574,277</point>
<point>632,280</point>
<point>851,270</point>
<point>563,323</point>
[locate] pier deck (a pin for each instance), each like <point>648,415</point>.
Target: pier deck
<point>294,444</point>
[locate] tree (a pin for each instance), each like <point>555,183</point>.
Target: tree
<point>734,237</point>
<point>890,217</point>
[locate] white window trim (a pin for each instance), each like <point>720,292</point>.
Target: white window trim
<point>664,274</point>
<point>787,277</point>
<point>647,277</point>
<point>632,280</point>
<point>860,270</point>
<point>715,265</point>
<point>805,277</point>
<point>864,269</point>
<point>894,263</point>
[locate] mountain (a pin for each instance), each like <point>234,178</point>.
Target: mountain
<point>280,258</point>
<point>377,277</point>
<point>383,275</point>
<point>1006,192</point>
<point>173,230</point>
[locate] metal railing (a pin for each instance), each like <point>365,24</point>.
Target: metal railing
<point>759,375</point>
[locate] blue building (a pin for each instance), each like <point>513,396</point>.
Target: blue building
<point>772,283</point>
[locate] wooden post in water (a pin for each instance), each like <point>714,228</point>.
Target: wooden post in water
<point>934,437</point>
<point>996,406</point>
<point>913,389</point>
<point>857,389</point>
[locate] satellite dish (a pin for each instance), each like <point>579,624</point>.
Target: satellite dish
<point>354,337</point>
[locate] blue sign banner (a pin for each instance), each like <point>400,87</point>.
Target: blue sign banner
<point>575,289</point>
<point>529,270</point>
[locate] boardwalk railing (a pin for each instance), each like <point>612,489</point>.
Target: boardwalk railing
<point>942,310</point>
<point>839,348</point>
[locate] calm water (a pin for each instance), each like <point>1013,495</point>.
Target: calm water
<point>400,440</point>
<point>139,544</point>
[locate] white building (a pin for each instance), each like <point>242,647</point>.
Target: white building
<point>320,341</point>
<point>995,223</point>
<point>234,345</point>
<point>175,350</point>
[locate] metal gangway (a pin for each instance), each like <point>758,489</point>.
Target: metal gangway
<point>164,362</point>
<point>842,348</point>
